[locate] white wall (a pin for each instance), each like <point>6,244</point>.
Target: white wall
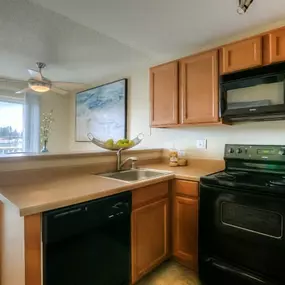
<point>60,104</point>
<point>185,138</point>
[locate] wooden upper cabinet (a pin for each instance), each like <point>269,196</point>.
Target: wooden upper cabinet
<point>199,88</point>
<point>276,45</point>
<point>164,94</point>
<point>241,55</point>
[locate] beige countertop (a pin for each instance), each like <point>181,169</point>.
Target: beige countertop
<point>191,172</point>
<point>47,194</point>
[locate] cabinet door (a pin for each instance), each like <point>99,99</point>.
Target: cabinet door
<point>185,232</point>
<point>242,55</point>
<point>164,94</point>
<point>199,88</point>
<point>277,46</point>
<point>150,226</point>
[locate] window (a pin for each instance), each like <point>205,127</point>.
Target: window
<point>11,127</point>
<point>20,124</point>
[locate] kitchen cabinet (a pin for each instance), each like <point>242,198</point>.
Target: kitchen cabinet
<point>241,55</point>
<point>199,88</point>
<point>150,229</point>
<point>186,91</point>
<point>164,94</point>
<point>194,100</point>
<point>185,223</point>
<point>276,45</point>
<point>21,258</point>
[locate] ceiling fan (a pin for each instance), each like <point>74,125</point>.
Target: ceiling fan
<point>39,83</point>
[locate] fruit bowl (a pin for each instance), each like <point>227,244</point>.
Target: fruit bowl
<point>119,145</point>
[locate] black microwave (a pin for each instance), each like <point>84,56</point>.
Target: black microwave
<point>253,95</point>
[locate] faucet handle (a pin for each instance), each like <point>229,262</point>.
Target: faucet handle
<point>133,158</point>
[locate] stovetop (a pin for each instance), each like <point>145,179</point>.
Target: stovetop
<point>251,167</point>
<point>254,180</point>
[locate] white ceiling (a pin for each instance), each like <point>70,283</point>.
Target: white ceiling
<point>72,52</point>
<point>90,39</point>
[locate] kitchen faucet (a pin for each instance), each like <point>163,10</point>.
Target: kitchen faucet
<point>120,164</point>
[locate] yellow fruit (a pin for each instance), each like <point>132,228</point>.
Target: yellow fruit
<point>109,143</point>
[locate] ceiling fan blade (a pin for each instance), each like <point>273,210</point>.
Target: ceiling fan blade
<point>23,91</point>
<point>3,79</point>
<point>35,74</point>
<point>59,90</point>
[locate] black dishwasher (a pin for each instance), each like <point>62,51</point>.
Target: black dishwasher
<point>88,243</point>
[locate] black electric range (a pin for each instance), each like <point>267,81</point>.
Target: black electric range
<point>241,218</point>
<point>253,181</point>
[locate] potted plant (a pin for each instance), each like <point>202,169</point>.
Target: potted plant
<point>47,120</point>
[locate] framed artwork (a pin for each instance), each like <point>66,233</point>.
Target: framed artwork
<point>102,111</point>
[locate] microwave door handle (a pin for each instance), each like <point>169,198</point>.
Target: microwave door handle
<point>237,272</point>
<point>223,101</point>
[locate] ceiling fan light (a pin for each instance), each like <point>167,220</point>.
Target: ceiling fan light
<point>40,87</point>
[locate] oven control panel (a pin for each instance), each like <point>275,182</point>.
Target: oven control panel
<point>255,152</point>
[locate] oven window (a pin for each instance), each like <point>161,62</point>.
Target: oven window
<point>254,220</point>
<point>256,96</point>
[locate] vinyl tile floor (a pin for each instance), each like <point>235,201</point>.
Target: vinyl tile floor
<point>170,273</point>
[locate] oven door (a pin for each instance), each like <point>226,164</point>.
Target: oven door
<point>241,237</point>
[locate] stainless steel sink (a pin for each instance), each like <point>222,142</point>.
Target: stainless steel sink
<point>135,174</point>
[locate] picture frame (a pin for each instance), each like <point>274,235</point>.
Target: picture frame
<point>102,111</point>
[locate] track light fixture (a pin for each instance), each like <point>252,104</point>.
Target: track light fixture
<point>243,6</point>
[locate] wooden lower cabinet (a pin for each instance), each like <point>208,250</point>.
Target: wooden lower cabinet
<point>150,237</point>
<point>150,234</point>
<point>185,231</point>
<point>20,251</point>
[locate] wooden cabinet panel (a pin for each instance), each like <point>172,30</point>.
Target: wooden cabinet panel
<point>149,194</point>
<point>184,187</point>
<point>150,229</point>
<point>33,256</point>
<point>185,231</point>
<point>241,55</point>
<point>199,88</point>
<point>164,94</point>
<point>277,46</point>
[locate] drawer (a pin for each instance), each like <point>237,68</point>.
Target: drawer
<point>189,188</point>
<point>150,193</point>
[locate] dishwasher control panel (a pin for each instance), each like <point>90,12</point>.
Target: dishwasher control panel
<point>75,219</point>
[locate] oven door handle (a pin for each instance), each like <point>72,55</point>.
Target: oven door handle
<point>237,271</point>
